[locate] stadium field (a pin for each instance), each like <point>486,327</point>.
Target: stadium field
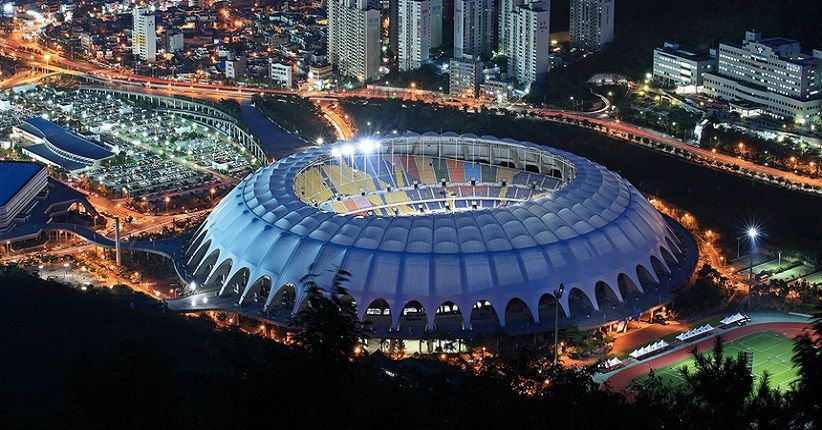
<point>771,353</point>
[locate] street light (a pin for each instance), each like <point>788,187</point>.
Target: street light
<point>557,295</point>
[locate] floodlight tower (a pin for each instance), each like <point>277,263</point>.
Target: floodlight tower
<point>752,235</point>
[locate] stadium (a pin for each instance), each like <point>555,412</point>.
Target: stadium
<point>441,233</point>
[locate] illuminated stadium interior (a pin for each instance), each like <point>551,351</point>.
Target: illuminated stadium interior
<point>397,178</point>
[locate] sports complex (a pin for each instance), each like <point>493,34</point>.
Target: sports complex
<point>441,233</point>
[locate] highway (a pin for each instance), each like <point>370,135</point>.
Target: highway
<point>56,63</point>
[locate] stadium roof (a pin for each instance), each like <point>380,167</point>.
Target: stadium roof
<point>595,230</point>
<point>14,175</point>
<point>64,140</point>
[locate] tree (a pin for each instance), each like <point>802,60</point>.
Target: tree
<point>807,389</point>
<point>329,327</point>
<point>718,387</point>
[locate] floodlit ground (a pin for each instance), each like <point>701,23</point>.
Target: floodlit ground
<point>771,353</point>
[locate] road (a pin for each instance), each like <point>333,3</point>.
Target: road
<point>55,62</point>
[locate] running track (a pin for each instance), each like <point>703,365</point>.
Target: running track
<point>619,382</point>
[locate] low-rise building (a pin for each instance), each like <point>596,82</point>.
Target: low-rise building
<point>496,89</point>
<point>320,77</point>
<point>464,77</point>
<point>280,73</point>
<point>681,68</point>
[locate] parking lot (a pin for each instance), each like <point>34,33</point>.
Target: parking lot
<point>157,152</point>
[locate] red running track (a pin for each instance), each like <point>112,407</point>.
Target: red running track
<point>619,382</point>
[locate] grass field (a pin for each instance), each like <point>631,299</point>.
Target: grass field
<point>771,352</point>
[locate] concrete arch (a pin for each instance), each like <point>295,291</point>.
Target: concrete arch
<point>201,233</point>
<point>580,301</point>
<point>198,256</point>
<point>219,273</point>
<point>607,294</point>
<point>673,246</point>
<point>236,282</point>
<point>483,312</point>
<point>447,314</point>
<point>207,264</point>
<point>546,305</point>
<point>256,290</point>
<point>649,276</point>
<point>516,311</point>
<point>628,286</point>
<point>281,298</point>
<point>412,312</point>
<point>668,257</point>
<point>660,268</point>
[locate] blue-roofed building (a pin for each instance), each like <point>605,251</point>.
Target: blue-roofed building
<point>20,183</point>
<point>54,145</point>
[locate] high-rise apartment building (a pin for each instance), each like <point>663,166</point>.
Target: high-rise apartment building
<point>528,49</point>
<point>144,35</point>
<point>474,33</point>
<point>774,74</point>
<point>354,28</point>
<point>436,23</point>
<point>592,24</point>
<point>414,34</point>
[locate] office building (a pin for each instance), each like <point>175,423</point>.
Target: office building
<point>592,24</point>
<point>528,55</point>
<point>464,77</point>
<point>681,68</point>
<point>474,33</point>
<point>414,34</point>
<point>773,73</point>
<point>280,73</point>
<point>354,29</point>
<point>144,35</point>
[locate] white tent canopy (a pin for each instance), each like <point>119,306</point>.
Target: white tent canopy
<point>731,319</point>
<point>690,334</point>
<point>649,349</point>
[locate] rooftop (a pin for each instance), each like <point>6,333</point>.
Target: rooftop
<point>63,140</point>
<point>14,175</point>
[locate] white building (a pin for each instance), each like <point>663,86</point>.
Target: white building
<point>505,15</point>
<point>464,77</point>
<point>235,68</point>
<point>173,41</point>
<point>473,28</point>
<point>592,24</point>
<point>681,68</point>
<point>436,23</point>
<point>773,73</point>
<point>354,30</point>
<point>144,35</point>
<point>280,73</point>
<point>528,49</point>
<point>414,34</point>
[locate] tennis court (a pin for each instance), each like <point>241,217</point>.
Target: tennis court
<point>771,352</point>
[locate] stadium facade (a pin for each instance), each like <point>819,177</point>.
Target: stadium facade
<point>439,232</point>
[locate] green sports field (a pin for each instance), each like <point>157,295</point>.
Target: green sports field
<point>771,352</point>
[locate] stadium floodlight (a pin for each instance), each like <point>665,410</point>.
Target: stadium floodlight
<point>753,233</point>
<point>336,153</point>
<point>347,150</point>
<point>366,146</point>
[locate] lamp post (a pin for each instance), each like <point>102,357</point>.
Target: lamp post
<point>557,295</point>
<point>752,235</point>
